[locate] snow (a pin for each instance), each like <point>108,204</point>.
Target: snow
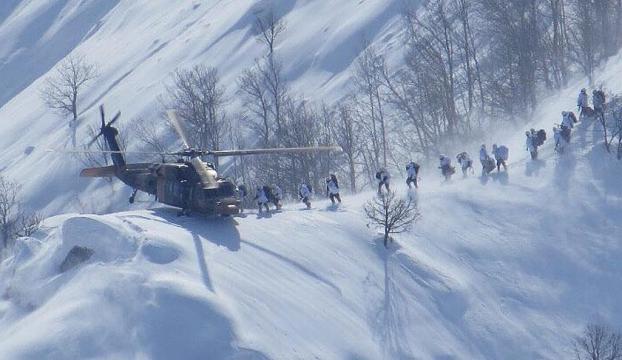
<point>508,268</point>
<point>137,45</point>
<point>513,268</point>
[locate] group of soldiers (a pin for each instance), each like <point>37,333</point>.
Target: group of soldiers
<point>265,195</point>
<point>562,133</point>
<point>273,194</point>
<point>498,158</point>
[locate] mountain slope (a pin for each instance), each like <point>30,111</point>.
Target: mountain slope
<point>137,45</point>
<point>509,268</point>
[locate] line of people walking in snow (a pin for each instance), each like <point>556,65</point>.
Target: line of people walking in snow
<point>273,194</point>
<point>498,158</point>
<point>562,132</point>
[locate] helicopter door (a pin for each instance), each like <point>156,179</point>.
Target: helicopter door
<point>173,193</point>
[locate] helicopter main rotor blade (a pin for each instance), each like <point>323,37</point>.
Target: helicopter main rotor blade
<point>102,114</point>
<point>275,151</point>
<point>94,139</point>
<point>174,119</point>
<point>107,152</point>
<point>114,119</point>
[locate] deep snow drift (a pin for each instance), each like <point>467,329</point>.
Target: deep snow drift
<point>508,268</point>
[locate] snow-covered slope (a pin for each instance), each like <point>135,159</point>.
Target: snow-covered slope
<point>511,268</point>
<point>137,44</point>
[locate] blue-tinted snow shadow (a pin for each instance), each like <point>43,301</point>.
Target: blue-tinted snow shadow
<point>295,265</point>
<point>564,170</point>
<point>247,21</point>
<point>533,167</point>
<point>389,322</point>
<point>174,326</point>
<point>219,231</point>
<point>37,57</point>
<point>606,169</point>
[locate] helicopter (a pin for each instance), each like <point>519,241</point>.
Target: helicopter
<point>190,184</point>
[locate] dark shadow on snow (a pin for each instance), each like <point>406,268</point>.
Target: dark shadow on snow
<point>533,167</point>
<point>294,264</point>
<point>564,170</point>
<point>178,327</point>
<point>35,57</point>
<point>219,231</point>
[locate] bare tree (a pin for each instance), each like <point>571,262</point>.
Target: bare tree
<point>392,214</point>
<point>269,27</point>
<point>14,220</point>
<point>27,224</point>
<point>9,205</point>
<point>257,103</point>
<point>584,37</point>
<point>62,90</point>
<point>199,99</point>
<point>370,103</point>
<point>264,93</point>
<point>598,342</point>
<point>346,134</point>
<point>147,132</point>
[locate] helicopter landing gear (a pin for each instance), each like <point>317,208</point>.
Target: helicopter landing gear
<point>183,212</point>
<point>133,196</point>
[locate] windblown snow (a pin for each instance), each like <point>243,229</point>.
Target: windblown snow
<point>509,268</point>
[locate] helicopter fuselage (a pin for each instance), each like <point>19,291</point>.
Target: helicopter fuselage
<point>175,184</point>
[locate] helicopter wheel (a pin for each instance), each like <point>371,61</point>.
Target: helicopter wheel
<point>133,197</point>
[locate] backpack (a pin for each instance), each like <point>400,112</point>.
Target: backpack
<point>504,152</point>
<point>413,165</point>
<point>268,191</point>
<point>573,117</point>
<point>449,170</point>
<point>489,165</point>
<point>601,95</point>
<point>378,175</point>
<point>540,137</point>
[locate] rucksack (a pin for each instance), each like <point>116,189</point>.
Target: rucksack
<point>601,95</point>
<point>489,165</point>
<point>268,191</point>
<point>504,152</point>
<point>379,175</point>
<point>540,137</point>
<point>573,117</point>
<point>414,165</point>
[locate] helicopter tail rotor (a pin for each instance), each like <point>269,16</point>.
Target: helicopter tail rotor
<point>104,126</point>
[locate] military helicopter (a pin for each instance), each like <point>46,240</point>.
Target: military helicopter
<point>190,183</point>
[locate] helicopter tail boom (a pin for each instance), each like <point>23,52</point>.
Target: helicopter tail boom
<point>99,172</point>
